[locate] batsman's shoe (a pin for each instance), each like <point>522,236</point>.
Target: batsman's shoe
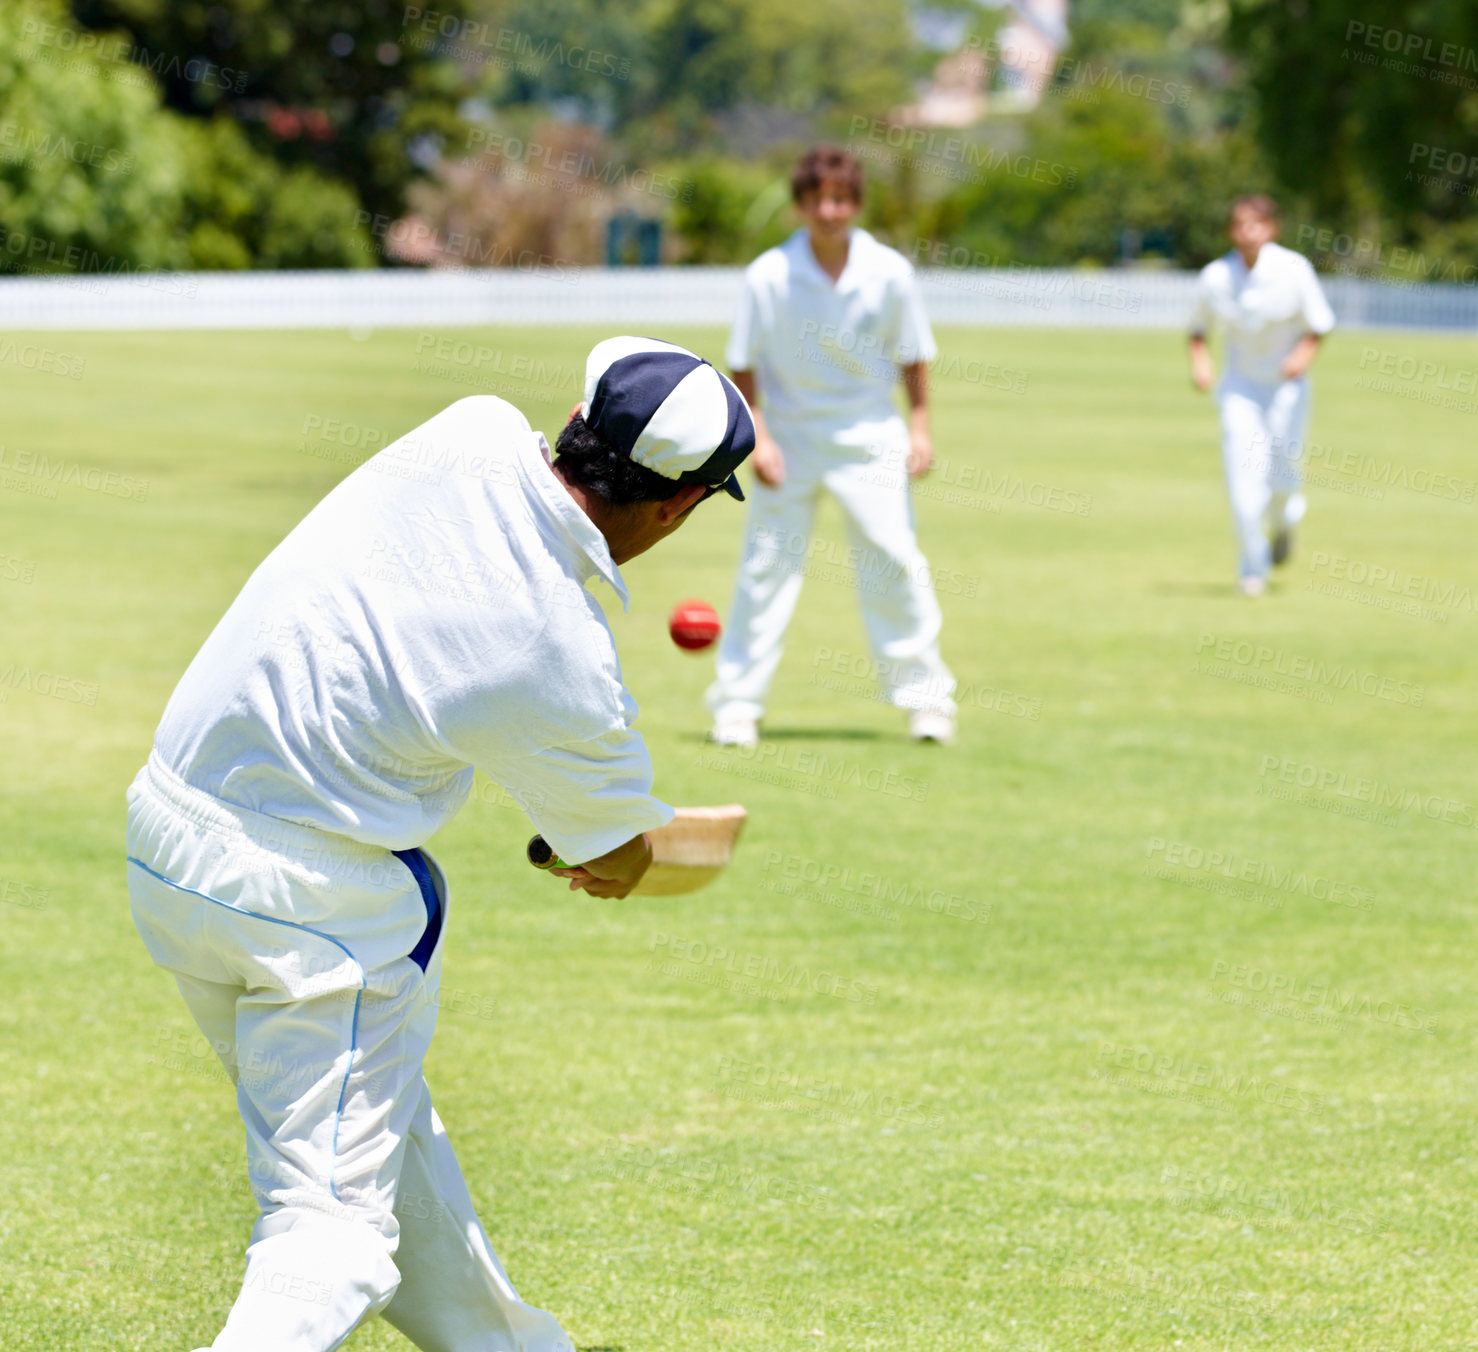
<point>927,727</point>
<point>1282,546</point>
<point>1252,586</point>
<point>735,732</point>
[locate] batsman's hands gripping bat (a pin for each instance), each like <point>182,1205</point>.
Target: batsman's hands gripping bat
<point>612,874</point>
<point>687,853</point>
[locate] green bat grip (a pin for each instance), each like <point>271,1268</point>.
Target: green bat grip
<point>541,855</point>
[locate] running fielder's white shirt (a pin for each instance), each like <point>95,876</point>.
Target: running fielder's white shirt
<point>1265,309</point>
<point>427,617</point>
<point>826,354</point>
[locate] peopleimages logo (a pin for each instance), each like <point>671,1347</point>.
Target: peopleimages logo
<point>1460,380</point>
<point>1445,592</point>
<point>1360,252</point>
<point>876,886</point>
<point>1194,1184</point>
<point>917,145</point>
<point>1260,872</point>
<point>1174,1075</point>
<point>1362,789</point>
<point>1411,46</point>
<point>1261,658</point>
<point>68,689</point>
<point>1322,996</point>
<point>759,967</point>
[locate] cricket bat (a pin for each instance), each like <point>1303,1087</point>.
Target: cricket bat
<point>688,853</point>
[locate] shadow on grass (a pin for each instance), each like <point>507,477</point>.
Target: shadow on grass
<point>801,735</point>
<point>821,734</point>
<point>1225,590</point>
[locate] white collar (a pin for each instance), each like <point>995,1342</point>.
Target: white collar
<point>800,244</point>
<point>1267,253</point>
<point>587,550</point>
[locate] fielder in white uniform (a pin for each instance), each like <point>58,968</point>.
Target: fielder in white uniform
<point>427,617</point>
<point>827,323</point>
<point>1268,300</point>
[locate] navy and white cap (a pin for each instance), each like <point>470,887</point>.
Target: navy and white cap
<point>669,410</point>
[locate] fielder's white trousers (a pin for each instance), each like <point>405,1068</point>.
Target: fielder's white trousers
<point>1262,444</point>
<point>883,563</point>
<point>292,950</point>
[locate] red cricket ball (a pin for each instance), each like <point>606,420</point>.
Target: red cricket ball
<point>693,625</point>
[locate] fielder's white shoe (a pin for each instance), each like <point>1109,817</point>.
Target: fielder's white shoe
<point>927,727</point>
<point>735,732</point>
<point>1252,586</point>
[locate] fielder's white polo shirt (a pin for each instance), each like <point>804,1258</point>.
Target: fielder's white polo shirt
<point>428,616</point>
<point>826,354</point>
<point>1265,310</point>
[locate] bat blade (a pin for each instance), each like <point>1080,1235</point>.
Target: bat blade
<point>691,850</point>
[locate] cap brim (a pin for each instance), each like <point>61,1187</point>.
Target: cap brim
<point>731,487</point>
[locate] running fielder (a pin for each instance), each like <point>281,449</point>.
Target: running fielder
<point>428,616</point>
<point>1270,303</point>
<point>827,323</point>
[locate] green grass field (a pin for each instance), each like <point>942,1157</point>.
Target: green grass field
<point>1142,1017</point>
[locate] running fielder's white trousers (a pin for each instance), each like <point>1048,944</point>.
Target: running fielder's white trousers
<point>1262,443</point>
<point>883,563</point>
<point>293,950</point>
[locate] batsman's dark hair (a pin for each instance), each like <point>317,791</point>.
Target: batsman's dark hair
<point>588,459</point>
<point>815,166</point>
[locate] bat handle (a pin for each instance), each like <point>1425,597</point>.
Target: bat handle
<point>541,854</point>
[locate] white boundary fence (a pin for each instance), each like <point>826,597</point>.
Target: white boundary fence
<point>650,297</point>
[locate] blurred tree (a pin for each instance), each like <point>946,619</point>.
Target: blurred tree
<point>95,176</point>
<point>1085,178</point>
<point>90,174</point>
<point>243,210</point>
<point>679,68</point>
<point>584,57</point>
<point>732,212</point>
<point>1165,15</point>
<point>356,89</point>
<point>1345,98</point>
<point>533,203</point>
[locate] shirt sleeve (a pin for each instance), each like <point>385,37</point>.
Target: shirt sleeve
<point>1203,316</point>
<point>1316,312</point>
<point>743,350</point>
<point>586,798</point>
<point>914,339</point>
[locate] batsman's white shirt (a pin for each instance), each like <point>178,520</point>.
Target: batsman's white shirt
<point>427,617</point>
<point>826,354</point>
<point>1264,309</point>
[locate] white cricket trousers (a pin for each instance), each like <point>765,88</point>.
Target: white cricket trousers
<point>883,562</point>
<point>1262,444</point>
<point>300,955</point>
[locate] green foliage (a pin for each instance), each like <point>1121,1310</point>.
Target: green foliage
<point>310,223</point>
<point>1163,15</point>
<point>89,174</point>
<point>95,176</point>
<point>1344,95</point>
<point>317,85</point>
<point>683,66</point>
<point>1077,181</point>
<point>733,212</point>
<point>243,210</point>
<point>285,122</point>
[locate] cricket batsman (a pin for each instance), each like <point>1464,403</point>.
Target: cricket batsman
<point>1274,312</point>
<point>827,323</point>
<point>429,616</point>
